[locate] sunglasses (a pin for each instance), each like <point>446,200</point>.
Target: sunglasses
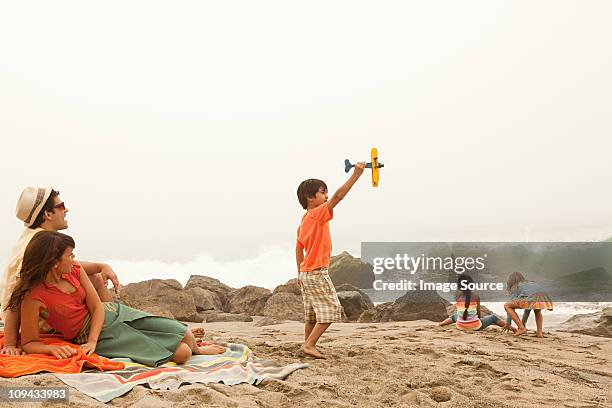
<point>60,206</point>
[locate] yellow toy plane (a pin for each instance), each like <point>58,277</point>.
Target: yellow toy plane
<point>374,165</point>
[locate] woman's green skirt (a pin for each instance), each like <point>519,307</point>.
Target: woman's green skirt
<point>132,333</point>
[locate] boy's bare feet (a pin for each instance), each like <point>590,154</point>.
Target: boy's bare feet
<point>540,335</point>
<point>312,351</point>
<point>520,331</point>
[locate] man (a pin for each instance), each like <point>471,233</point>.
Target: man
<point>41,209</point>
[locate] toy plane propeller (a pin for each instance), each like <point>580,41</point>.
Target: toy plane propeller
<point>374,165</point>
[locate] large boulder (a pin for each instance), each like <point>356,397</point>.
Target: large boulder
<point>290,287</point>
<point>594,324</point>
<point>214,316</point>
<point>414,305</point>
<point>345,268</point>
<point>249,299</point>
<point>353,304</point>
<point>214,285</point>
<point>345,287</point>
<point>163,295</point>
<point>204,299</point>
<point>284,306</point>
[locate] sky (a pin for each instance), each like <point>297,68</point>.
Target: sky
<point>178,133</point>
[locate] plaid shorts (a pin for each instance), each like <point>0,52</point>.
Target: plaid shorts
<point>321,304</point>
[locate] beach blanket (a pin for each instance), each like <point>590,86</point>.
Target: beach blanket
<point>237,365</point>
<point>16,366</point>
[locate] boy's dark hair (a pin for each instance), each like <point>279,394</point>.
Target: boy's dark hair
<point>40,218</point>
<point>309,188</point>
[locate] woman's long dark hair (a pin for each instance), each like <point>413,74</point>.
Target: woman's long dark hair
<point>465,279</point>
<point>44,250</point>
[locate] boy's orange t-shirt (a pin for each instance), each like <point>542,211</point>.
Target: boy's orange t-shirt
<point>313,236</point>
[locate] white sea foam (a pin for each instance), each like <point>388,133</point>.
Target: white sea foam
<point>562,311</point>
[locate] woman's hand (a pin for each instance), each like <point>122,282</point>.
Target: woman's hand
<point>62,351</point>
<point>89,347</point>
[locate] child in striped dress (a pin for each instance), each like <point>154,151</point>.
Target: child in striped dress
<point>467,309</point>
<point>527,296</point>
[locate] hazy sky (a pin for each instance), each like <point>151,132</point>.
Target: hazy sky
<point>176,129</point>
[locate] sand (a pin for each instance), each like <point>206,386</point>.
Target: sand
<point>398,364</point>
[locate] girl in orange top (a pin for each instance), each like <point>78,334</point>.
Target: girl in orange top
<point>54,287</point>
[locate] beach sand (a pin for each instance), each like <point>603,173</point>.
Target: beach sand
<point>396,364</point>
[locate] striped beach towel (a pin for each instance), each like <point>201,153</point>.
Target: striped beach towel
<point>237,365</point>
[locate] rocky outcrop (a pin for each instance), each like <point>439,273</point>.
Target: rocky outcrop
<point>353,304</point>
<point>594,324</point>
<point>249,299</point>
<point>205,300</point>
<point>214,285</point>
<point>213,316</point>
<point>166,296</point>
<point>345,268</point>
<point>284,306</point>
<point>350,288</point>
<point>290,287</point>
<point>414,305</point>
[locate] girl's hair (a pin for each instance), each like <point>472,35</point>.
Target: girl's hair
<point>513,280</point>
<point>467,293</point>
<point>44,250</point>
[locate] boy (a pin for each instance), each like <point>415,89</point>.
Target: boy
<point>321,304</point>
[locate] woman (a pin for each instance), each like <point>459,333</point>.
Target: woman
<point>467,309</point>
<point>57,289</point>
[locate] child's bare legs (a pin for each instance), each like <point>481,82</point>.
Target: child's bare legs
<point>182,353</point>
<point>502,324</point>
<point>445,322</point>
<point>539,322</point>
<point>307,330</point>
<point>509,307</point>
<point>190,341</point>
<point>312,333</point>
<point>526,313</point>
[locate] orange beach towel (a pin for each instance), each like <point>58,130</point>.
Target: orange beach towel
<point>16,366</point>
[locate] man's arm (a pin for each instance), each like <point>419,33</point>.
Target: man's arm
<point>346,187</point>
<point>92,268</point>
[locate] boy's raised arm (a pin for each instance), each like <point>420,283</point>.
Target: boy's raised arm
<point>345,188</point>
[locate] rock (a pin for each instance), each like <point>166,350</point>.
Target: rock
<point>213,316</point>
<point>414,305</point>
<point>594,324</point>
<point>214,285</point>
<point>345,287</point>
<point>353,304</point>
<point>156,311</point>
<point>267,321</point>
<point>345,268</point>
<point>379,313</point>
<point>285,306</point>
<point>205,299</point>
<point>164,295</point>
<point>249,299</point>
<point>290,287</point>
